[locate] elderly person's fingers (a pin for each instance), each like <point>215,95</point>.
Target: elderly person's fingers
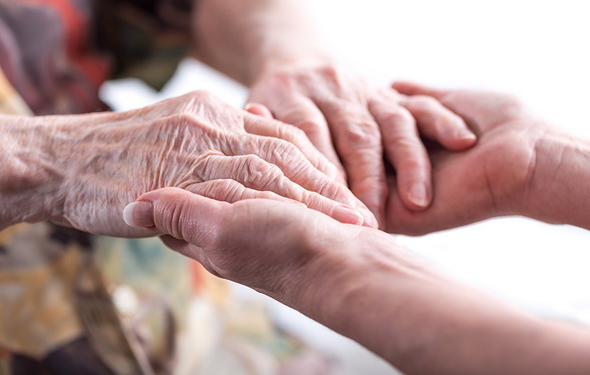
<point>290,133</point>
<point>305,115</point>
<point>330,105</point>
<point>255,173</point>
<point>405,151</point>
<point>299,170</point>
<point>358,141</point>
<point>256,242</point>
<point>438,123</point>
<point>231,191</point>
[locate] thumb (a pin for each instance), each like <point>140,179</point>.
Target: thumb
<point>178,213</point>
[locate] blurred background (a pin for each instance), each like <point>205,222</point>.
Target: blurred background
<point>536,49</point>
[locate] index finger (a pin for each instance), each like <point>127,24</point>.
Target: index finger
<point>358,141</point>
<point>273,128</point>
<point>298,169</point>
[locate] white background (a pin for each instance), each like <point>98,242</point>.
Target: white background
<point>537,49</point>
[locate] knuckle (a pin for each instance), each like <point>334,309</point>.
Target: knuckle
<point>333,74</point>
<point>259,173</point>
<point>363,134</point>
<point>222,190</point>
<point>397,116</point>
<point>204,167</point>
<point>283,149</point>
<point>174,219</point>
<point>333,191</point>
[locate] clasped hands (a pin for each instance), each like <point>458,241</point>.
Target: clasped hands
<point>96,164</point>
<point>246,240</point>
<point>378,149</point>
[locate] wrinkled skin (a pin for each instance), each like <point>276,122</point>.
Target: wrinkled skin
<point>491,179</point>
<point>354,125</point>
<point>100,162</point>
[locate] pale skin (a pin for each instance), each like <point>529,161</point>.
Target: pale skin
<point>270,47</point>
<point>502,175</point>
<point>62,162</point>
<point>338,274</point>
<point>81,170</point>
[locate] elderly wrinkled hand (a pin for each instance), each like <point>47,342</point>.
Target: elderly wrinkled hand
<point>95,164</point>
<point>356,125</point>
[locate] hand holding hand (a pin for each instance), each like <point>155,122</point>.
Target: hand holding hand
<point>99,162</point>
<point>493,178</point>
<point>260,243</point>
<point>353,123</point>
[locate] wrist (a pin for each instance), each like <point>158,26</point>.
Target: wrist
<point>558,187</point>
<point>277,60</point>
<point>30,180</point>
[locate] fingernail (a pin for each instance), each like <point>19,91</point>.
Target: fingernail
<point>418,195</point>
<point>370,218</point>
<point>347,215</point>
<point>139,214</point>
<point>466,135</point>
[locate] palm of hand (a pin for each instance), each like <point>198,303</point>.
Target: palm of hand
<point>488,180</point>
<point>260,243</point>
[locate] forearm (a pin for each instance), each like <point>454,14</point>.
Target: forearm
<point>560,183</point>
<point>242,38</point>
<point>28,180</point>
<point>422,322</point>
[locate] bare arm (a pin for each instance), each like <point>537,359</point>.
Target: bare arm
<point>361,283</point>
<point>425,323</point>
<point>242,38</point>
